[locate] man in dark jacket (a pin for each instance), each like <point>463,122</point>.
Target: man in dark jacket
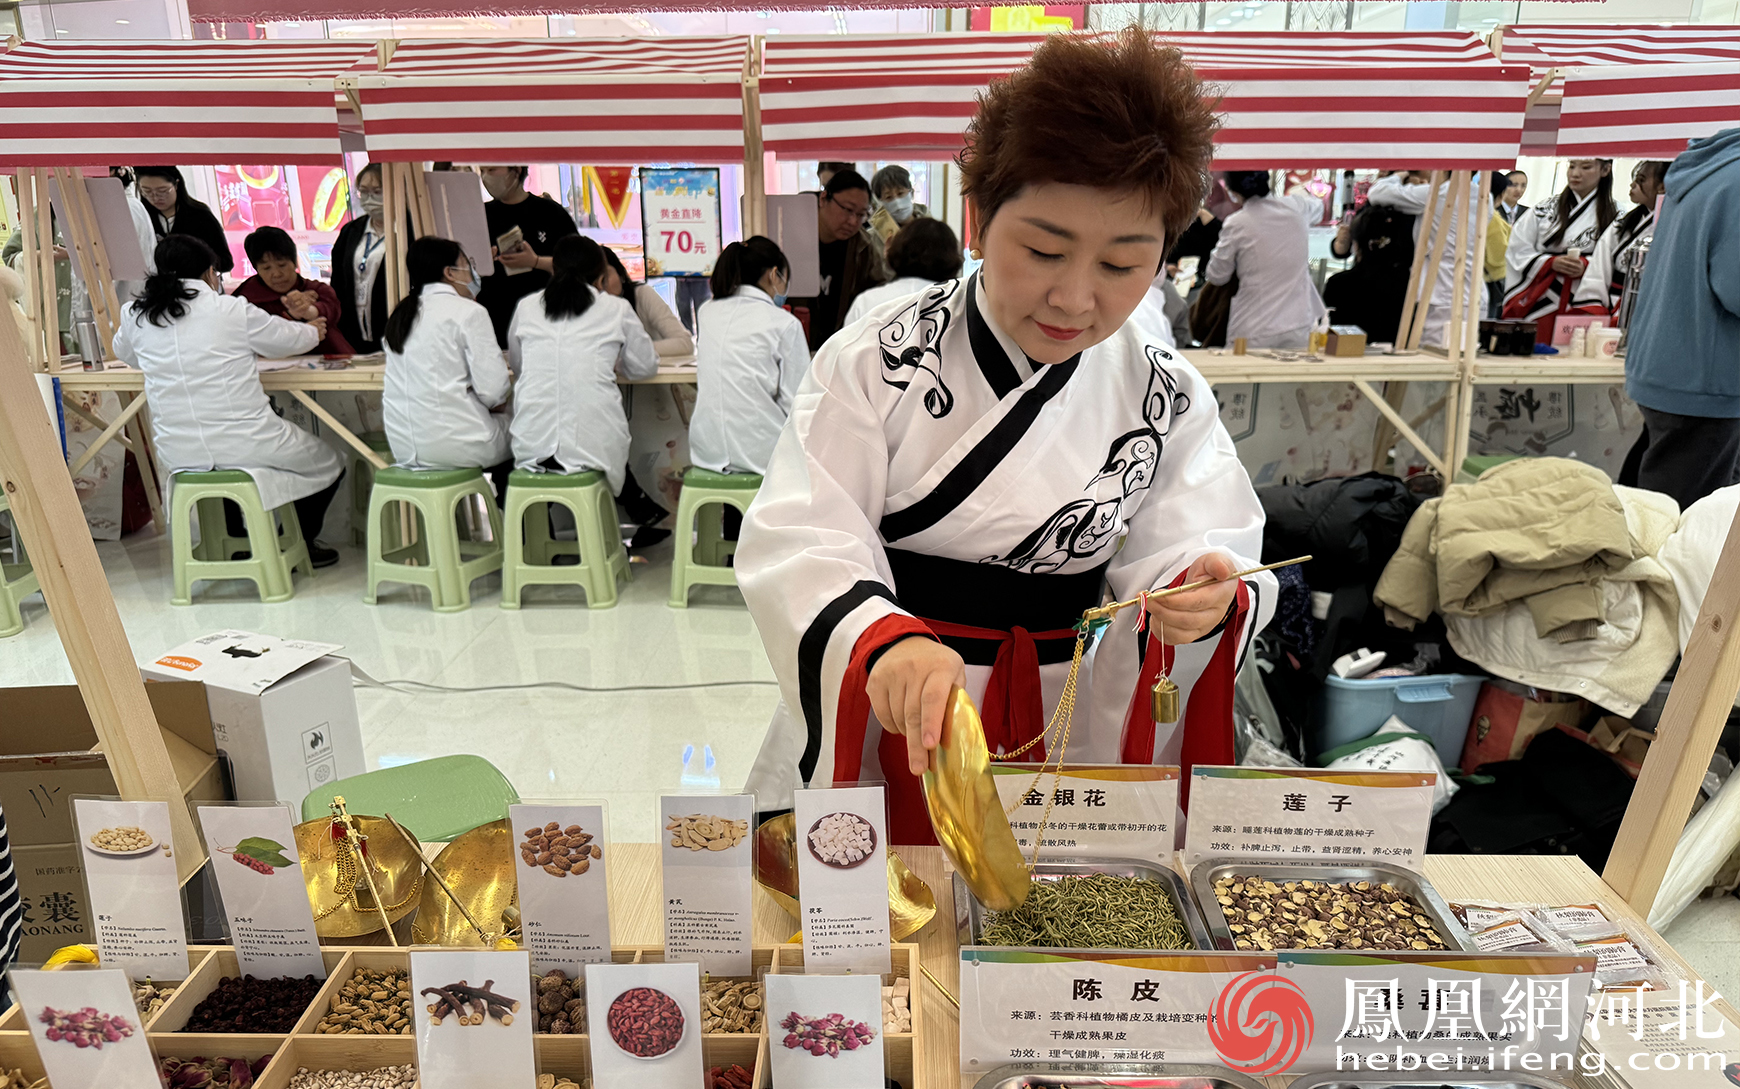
<point>851,261</point>
<point>1682,362</point>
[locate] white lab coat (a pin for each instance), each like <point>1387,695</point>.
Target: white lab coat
<point>437,394</point>
<point>876,296</point>
<point>208,410</point>
<point>567,404</point>
<point>1267,245</point>
<point>750,359</point>
<point>1393,192</point>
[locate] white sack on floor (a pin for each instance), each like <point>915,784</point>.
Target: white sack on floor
<point>1408,750</point>
<point>1706,843</point>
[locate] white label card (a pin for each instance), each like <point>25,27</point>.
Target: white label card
<point>487,1042</point>
<point>1029,1006</point>
<point>564,903</point>
<point>86,1028</point>
<point>708,847</point>
<point>825,1032</point>
<point>1304,813</point>
<point>135,893</point>
<point>842,853</point>
<point>645,1026</point>
<point>1112,811</point>
<point>259,875</point>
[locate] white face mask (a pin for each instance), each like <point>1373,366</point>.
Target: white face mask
<point>499,185</point>
<point>371,203</point>
<point>899,207</point>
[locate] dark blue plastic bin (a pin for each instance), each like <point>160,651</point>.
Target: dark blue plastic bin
<point>1439,705</point>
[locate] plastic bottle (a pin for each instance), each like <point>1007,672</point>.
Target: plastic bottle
<point>1579,342</point>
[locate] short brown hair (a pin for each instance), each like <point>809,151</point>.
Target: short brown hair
<point>1124,114</point>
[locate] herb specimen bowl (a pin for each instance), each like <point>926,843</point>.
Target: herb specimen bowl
<point>971,915</point>
<point>1413,885</point>
<point>852,865</point>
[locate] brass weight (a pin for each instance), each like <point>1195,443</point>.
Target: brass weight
<point>1163,700</point>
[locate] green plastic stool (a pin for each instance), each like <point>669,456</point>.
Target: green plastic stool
<point>435,800</point>
<point>701,548</point>
<point>362,482</point>
<point>17,580</point>
<point>274,540</point>
<point>1475,464</point>
<point>530,551</point>
<point>440,560</point>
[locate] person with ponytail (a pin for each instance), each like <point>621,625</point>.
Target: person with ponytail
<point>1541,273</point>
<point>748,363</point>
<point>199,349</point>
<point>568,344</point>
<point>446,380</point>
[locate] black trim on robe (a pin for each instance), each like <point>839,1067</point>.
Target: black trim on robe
<point>994,363</point>
<point>993,596</point>
<point>965,477</point>
<point>812,647</point>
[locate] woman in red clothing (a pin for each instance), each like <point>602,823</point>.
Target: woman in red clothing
<point>279,288</point>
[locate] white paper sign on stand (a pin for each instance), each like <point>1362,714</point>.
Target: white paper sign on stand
<point>825,1032</point>
<point>1308,813</point>
<point>86,1028</point>
<point>842,854</point>
<point>679,215</point>
<point>135,895</point>
<point>707,852</point>
<point>645,1025</point>
<point>1093,811</point>
<point>475,1048</point>
<point>259,876</point>
<point>564,903</point>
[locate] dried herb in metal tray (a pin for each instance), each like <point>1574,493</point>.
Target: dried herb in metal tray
<point>1096,911</point>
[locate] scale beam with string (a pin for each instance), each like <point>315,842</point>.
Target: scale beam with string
<point>961,793</point>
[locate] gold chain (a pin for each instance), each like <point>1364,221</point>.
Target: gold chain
<point>1062,722</point>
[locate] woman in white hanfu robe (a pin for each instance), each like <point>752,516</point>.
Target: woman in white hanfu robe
<point>974,466</point>
<point>1540,271</point>
<point>1603,282</point>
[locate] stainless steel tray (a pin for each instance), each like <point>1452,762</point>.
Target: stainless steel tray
<point>1129,1075</point>
<point>1509,1079</point>
<point>1203,877</point>
<point>970,914</point>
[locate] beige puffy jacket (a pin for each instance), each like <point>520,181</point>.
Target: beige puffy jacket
<point>1546,575</point>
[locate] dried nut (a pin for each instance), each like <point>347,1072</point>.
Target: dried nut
<point>1323,915</point>
<point>561,1003</point>
<point>374,1001</point>
<point>558,851</point>
<point>124,838</point>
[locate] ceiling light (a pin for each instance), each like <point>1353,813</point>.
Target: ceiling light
<point>123,22</point>
<point>1223,22</point>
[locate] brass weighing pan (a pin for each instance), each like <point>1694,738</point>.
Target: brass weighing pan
<point>343,908</point>
<point>479,867</point>
<point>966,813</point>
<point>911,904</point>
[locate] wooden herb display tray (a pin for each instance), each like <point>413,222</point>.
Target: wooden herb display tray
<point>563,1056</point>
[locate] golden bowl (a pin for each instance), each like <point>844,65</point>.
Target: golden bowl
<point>479,867</point>
<point>343,905</point>
<point>911,904</point>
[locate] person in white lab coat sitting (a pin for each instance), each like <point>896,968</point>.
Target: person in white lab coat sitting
<point>198,348</point>
<point>1412,192</point>
<point>445,377</point>
<point>567,344</point>
<point>923,252</point>
<point>749,361</point>
<point>1267,246</point>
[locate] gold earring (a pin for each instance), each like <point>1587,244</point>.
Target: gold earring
<point>975,254</point>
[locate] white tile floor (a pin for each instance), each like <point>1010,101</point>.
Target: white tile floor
<point>622,747</point>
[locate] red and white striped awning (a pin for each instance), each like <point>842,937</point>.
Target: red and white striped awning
<point>1633,91</point>
<point>92,103</point>
<point>1431,100</point>
<point>601,100</point>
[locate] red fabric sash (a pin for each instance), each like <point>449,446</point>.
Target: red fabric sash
<point>1541,299</point>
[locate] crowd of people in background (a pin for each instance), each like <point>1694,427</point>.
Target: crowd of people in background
<point>511,359</point>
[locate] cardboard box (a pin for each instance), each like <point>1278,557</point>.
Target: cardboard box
<point>37,787</point>
<point>1345,340</point>
<point>282,710</point>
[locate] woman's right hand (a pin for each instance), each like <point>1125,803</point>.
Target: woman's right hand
<point>909,691</point>
<point>1566,265</point>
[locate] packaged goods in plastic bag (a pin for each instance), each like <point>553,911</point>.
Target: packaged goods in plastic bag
<point>1516,932</point>
<point>1395,746</point>
<point>1624,963</point>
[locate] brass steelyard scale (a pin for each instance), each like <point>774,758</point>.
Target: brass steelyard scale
<point>961,793</point>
